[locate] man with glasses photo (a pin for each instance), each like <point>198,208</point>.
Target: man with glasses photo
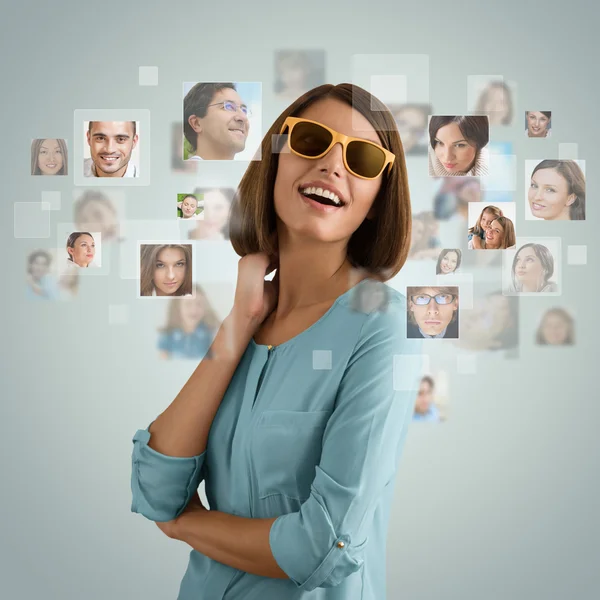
<point>432,312</point>
<point>215,121</point>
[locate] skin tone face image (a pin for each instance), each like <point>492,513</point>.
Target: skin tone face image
<point>39,267</point>
<point>98,215</point>
<point>432,318</point>
<point>424,397</point>
<point>555,329</point>
<point>50,158</point>
<point>549,196</point>
<point>111,144</point>
<point>529,270</point>
<point>449,262</point>
<point>494,235</point>
<point>189,206</point>
<point>412,123</point>
<point>83,250</point>
<point>537,124</point>
<point>169,271</point>
<point>222,133</point>
<point>495,105</point>
<point>454,152</point>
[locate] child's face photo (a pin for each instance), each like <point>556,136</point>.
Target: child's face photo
<point>433,310</point>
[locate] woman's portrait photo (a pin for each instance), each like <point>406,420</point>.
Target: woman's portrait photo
<point>432,312</point>
<point>494,100</point>
<point>296,72</point>
<point>448,261</point>
<point>538,124</point>
<point>214,223</point>
<point>327,210</point>
<point>411,120</point>
<point>165,270</point>
<point>457,146</point>
<point>191,326</point>
<point>492,227</point>
<point>557,328</point>
<point>533,268</point>
<point>555,190</point>
<point>190,206</point>
<point>83,249</point>
<point>96,210</point>
<point>49,157</point>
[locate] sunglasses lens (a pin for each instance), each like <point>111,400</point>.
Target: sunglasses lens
<point>310,139</point>
<point>365,159</point>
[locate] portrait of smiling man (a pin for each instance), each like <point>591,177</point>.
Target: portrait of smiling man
<point>111,145</point>
<point>215,121</point>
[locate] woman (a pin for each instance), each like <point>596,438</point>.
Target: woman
<point>458,146</point>
<point>500,235</point>
<point>556,329</point>
<point>487,215</point>
<point>81,249</point>
<point>532,268</point>
<point>191,327</point>
<point>432,312</point>
<point>187,207</point>
<point>538,123</point>
<point>41,285</point>
<point>291,511</point>
<point>49,157</point>
<point>215,224</point>
<point>166,270</point>
<point>557,191</point>
<point>495,101</point>
<point>94,211</point>
<point>448,261</point>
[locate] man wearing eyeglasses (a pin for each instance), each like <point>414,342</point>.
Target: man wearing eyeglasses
<point>215,121</point>
<point>432,312</point>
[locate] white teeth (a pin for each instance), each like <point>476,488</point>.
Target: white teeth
<point>321,192</point>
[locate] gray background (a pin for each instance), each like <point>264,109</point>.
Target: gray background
<point>498,502</point>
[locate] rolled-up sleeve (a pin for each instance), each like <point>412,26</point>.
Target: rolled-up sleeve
<point>161,485</point>
<point>324,542</point>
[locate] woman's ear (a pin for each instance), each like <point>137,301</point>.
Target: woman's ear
<point>572,198</point>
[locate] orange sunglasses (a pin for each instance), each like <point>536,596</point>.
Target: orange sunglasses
<point>309,139</point>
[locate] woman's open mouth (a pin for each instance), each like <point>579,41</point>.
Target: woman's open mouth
<point>321,200</point>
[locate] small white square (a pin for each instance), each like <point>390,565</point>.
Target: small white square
<point>32,220</point>
<point>118,314</point>
<point>322,360</point>
<point>148,75</point>
<point>577,255</point>
<point>567,151</point>
<point>52,199</point>
<point>389,88</point>
<point>408,370</point>
<point>466,364</point>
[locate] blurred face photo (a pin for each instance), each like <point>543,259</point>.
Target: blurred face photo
<point>189,207</point>
<point>549,196</point>
<point>223,131</point>
<point>432,318</point>
<point>83,250</point>
<point>111,144</point>
<point>412,123</point>
<point>372,298</point>
<point>98,214</point>
<point>449,262</point>
<point>451,148</point>
<point>496,105</point>
<point>192,311</point>
<point>424,397</point>
<point>169,271</point>
<point>50,158</point>
<point>537,124</point>
<point>555,329</point>
<point>39,267</point>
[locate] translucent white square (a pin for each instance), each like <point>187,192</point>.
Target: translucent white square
<point>466,364</point>
<point>118,314</point>
<point>389,88</point>
<point>148,76</point>
<point>502,174</point>
<point>568,151</point>
<point>32,220</point>
<point>52,199</point>
<point>408,370</point>
<point>577,255</point>
<point>322,360</point>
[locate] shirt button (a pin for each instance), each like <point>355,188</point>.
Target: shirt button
<point>340,544</point>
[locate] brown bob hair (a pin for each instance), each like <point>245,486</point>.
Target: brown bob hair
<point>379,245</point>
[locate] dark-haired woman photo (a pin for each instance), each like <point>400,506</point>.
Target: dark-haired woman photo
<point>294,424</point>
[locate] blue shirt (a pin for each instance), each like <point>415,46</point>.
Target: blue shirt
<point>309,431</point>
<point>179,344</point>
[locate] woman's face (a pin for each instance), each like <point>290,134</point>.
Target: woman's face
<point>98,216</point>
<point>192,310</point>
<point>555,329</point>
<point>455,153</point>
<point>83,250</point>
<point>50,158</point>
<point>432,318</point>
<point>424,397</point>
<point>39,267</point>
<point>216,210</point>
<point>448,263</point>
<point>549,196</point>
<point>537,124</point>
<point>494,235</point>
<point>298,216</point>
<point>496,105</point>
<point>169,271</point>
<point>528,267</point>
<point>189,206</point>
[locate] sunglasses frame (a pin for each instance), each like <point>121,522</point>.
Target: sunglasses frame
<point>337,137</point>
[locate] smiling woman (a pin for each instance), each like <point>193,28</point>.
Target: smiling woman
<point>49,157</point>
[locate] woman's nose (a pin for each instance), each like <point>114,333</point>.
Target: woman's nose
<point>333,161</point>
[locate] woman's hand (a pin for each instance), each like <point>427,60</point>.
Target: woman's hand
<point>170,528</point>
